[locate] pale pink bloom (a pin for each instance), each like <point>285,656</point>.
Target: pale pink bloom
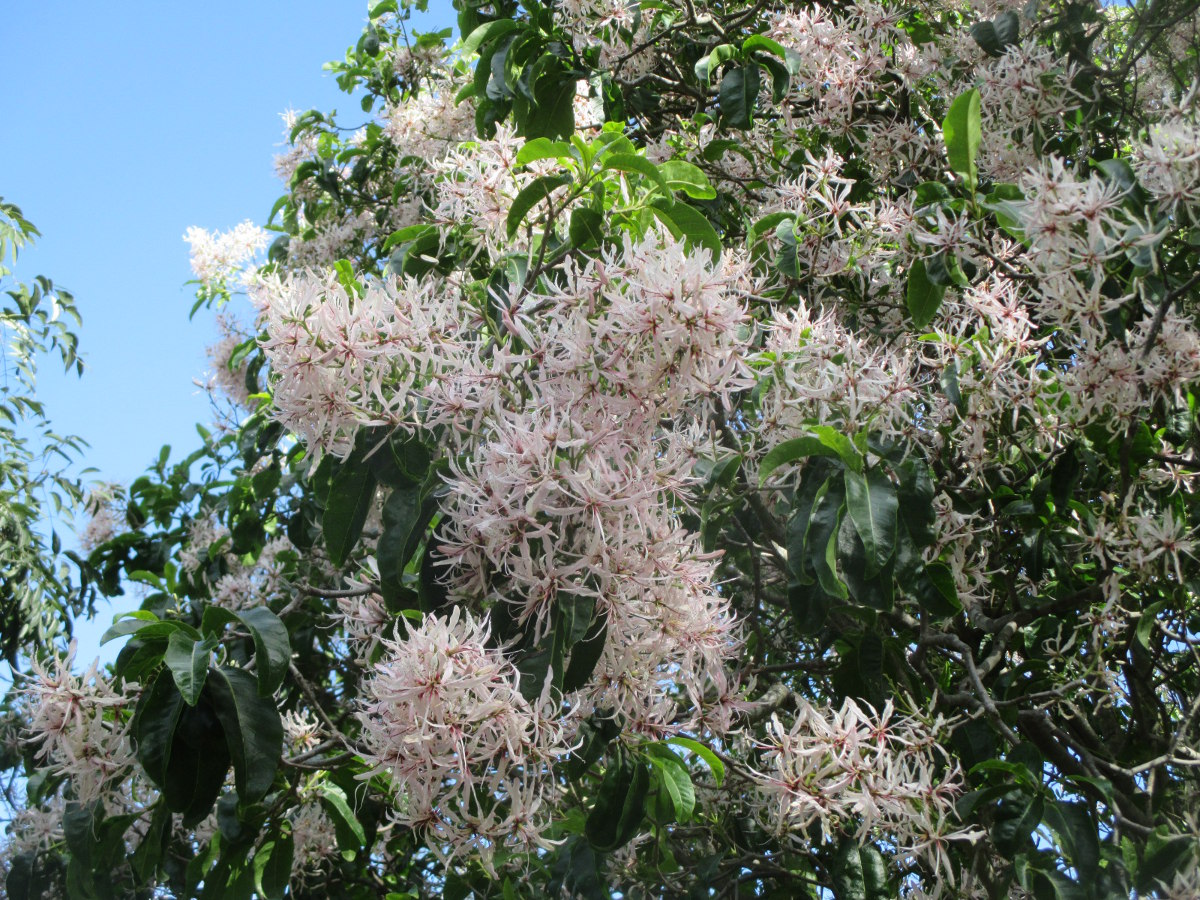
<point>78,726</point>
<point>468,756</point>
<point>216,256</point>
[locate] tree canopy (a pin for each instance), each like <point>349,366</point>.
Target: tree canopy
<point>674,450</point>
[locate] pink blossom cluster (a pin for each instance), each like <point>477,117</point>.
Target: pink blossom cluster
<point>856,771</point>
<point>344,358</point>
<point>579,456</point>
<point>215,256</point>
<point>257,583</point>
<point>78,727</point>
<point>427,126</point>
<point>468,756</point>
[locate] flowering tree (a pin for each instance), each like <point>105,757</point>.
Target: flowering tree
<point>679,450</point>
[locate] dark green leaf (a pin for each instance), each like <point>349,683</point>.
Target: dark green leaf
<point>674,779</point>
<point>586,228</point>
<point>738,94</point>
<point>532,194</point>
<point>351,493</point>
<point>273,867</point>
<point>620,802</point>
<point>153,728</point>
<point>922,296</point>
<point>401,517</point>
<point>873,506</point>
<point>253,731</point>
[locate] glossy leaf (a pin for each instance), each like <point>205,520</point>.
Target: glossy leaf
<point>873,506</point>
<point>253,730</point>
<point>922,297</point>
<point>351,493</point>
<point>188,661</point>
<point>962,131</point>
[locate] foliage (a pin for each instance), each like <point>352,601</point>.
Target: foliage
<point>37,597</point>
<point>697,449</point>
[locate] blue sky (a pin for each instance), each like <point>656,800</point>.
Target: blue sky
<point>124,123</point>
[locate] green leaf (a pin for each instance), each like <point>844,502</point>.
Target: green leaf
<point>148,629</point>
<point>683,176</point>
<point>821,536</point>
<point>761,42</point>
<point>532,194</point>
<point>153,727</point>
<point>198,763</point>
<point>273,867</point>
<point>1017,815</point>
<point>710,759</point>
<point>873,506</point>
<point>188,661</point>
<point>962,132</point>
<point>542,148</point>
<point>632,163</point>
<point>689,224</point>
<point>587,227</point>
<point>272,647</point>
<point>350,834</point>
<point>675,779</point>
<point>584,654</point>
<point>253,731</point>
<point>351,493</point>
<point>489,31</point>
<point>401,517</point>
<point>849,881</point>
<point>922,296</point>
<point>1008,27</point>
<point>738,94</point>
<point>554,101</point>
<point>790,451</point>
<point>937,592</point>
<point>1078,834</point>
<point>620,802</point>
<point>985,36</point>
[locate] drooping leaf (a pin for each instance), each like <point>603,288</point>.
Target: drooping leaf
<point>619,806</point>
<point>738,94</point>
<point>873,506</point>
<point>351,493</point>
<point>253,730</point>
<point>273,866</point>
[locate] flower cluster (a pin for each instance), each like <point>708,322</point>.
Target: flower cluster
<point>77,726</point>
<point>862,772</point>
<point>215,257</point>
<point>468,756</point>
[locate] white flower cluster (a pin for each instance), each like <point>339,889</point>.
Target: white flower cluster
<point>215,256</point>
<point>469,757</point>
<point>78,728</point>
<point>255,584</point>
<point>856,771</point>
<point>340,359</point>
